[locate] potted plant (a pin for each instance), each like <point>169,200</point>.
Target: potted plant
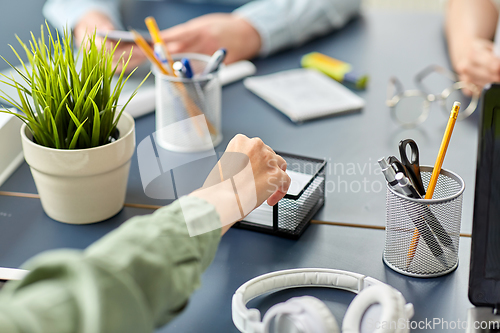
<point>76,139</point>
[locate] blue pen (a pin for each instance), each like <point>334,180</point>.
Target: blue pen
<point>215,61</point>
<point>186,68</point>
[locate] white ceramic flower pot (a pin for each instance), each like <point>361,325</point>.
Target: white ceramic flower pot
<point>83,185</point>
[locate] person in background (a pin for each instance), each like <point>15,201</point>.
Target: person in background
<point>470,31</point>
<point>258,27</point>
<point>142,274</point>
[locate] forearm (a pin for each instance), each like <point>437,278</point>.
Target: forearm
<point>285,23</point>
<point>137,277</point>
<point>67,13</point>
<point>467,20</point>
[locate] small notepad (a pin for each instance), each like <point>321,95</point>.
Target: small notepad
<point>264,213</point>
<point>304,94</point>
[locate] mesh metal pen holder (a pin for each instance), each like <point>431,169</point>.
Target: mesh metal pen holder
<point>188,111</point>
<point>422,236</point>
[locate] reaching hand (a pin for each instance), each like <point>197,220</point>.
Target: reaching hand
<point>254,170</point>
<point>95,20</point>
<point>208,33</point>
<point>479,65</point>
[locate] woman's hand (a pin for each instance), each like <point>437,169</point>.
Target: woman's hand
<point>478,65</point>
<point>208,33</point>
<point>248,174</point>
<point>97,21</point>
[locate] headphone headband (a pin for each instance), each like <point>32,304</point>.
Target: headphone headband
<point>249,320</point>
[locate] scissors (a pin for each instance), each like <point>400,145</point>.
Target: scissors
<point>411,164</point>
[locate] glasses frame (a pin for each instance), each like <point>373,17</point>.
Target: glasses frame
<point>396,92</point>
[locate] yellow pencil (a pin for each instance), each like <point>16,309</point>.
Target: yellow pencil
<point>435,174</point>
<point>160,47</point>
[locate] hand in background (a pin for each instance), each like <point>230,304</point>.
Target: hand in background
<point>478,64</point>
<point>207,33</point>
<point>95,20</point>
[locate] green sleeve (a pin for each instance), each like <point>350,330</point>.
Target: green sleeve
<point>134,279</point>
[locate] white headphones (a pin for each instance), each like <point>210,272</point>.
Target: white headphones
<point>308,314</point>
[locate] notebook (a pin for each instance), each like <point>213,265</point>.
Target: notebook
<point>304,94</point>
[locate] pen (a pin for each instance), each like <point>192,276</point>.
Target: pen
<point>186,68</point>
<point>436,171</point>
<point>215,61</point>
<point>389,174</point>
<point>429,217</point>
<point>406,186</point>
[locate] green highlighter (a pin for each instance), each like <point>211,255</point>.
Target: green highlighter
<point>336,69</point>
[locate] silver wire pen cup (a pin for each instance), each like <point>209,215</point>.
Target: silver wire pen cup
<point>422,236</point>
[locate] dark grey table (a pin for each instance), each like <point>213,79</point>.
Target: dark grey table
<point>381,43</point>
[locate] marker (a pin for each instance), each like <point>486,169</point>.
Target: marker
<point>338,70</point>
<point>406,186</point>
<point>215,61</point>
<point>390,175</point>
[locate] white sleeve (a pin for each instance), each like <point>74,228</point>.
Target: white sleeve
<point>67,13</point>
<point>285,23</point>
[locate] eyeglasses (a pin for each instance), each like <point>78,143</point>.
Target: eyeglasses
<point>411,107</point>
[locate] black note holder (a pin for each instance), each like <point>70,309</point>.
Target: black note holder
<point>292,214</point>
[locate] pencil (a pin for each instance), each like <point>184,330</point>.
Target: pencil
<point>160,47</point>
<point>435,174</point>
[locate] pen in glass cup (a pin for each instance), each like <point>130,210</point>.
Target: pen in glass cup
<point>214,62</point>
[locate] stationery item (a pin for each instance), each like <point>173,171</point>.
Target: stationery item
<point>304,94</point>
<point>123,36</point>
<point>186,69</point>
<point>428,216</point>
<point>336,69</point>
<point>264,213</point>
<point>436,171</point>
<point>412,164</point>
<point>397,165</point>
<point>292,214</point>
<point>440,217</point>
<point>420,222</point>
<point>389,174</point>
<point>406,186</point>
<point>160,48</point>
<point>11,150</point>
<point>215,61</point>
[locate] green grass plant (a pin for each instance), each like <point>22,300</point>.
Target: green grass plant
<point>68,100</point>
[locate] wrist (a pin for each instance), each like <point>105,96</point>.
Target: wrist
<point>250,40</point>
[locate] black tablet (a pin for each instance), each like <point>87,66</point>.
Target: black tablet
<point>484,279</point>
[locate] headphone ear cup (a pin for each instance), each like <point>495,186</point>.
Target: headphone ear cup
<point>319,308</point>
<point>310,313</point>
<point>393,309</point>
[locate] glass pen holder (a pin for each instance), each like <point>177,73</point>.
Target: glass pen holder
<point>422,235</point>
<point>188,111</point>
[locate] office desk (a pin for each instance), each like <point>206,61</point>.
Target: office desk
<point>380,43</point>
<point>383,44</point>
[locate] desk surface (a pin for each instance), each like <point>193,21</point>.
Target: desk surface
<point>383,44</point>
